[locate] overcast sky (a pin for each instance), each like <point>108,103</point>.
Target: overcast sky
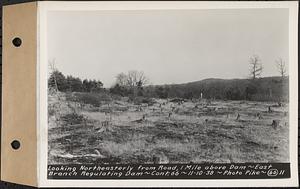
<point>174,46</point>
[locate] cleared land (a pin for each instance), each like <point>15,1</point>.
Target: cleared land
<point>198,131</point>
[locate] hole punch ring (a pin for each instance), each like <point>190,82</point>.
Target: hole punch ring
<point>15,144</point>
<point>17,42</point>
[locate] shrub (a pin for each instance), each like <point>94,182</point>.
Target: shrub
<point>145,100</point>
<point>73,118</point>
<point>94,99</point>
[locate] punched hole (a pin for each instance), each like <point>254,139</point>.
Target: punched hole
<point>15,144</point>
<point>17,42</point>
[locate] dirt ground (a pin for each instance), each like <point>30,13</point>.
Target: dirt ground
<point>195,131</point>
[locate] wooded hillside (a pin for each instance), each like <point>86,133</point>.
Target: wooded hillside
<point>261,89</point>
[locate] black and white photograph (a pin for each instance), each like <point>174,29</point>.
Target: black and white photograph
<point>165,87</point>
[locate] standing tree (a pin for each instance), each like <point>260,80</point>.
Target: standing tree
<point>132,83</point>
<point>136,78</point>
<point>121,79</point>
<point>56,81</point>
<point>132,79</point>
<point>52,82</point>
<point>281,67</point>
<point>255,67</point>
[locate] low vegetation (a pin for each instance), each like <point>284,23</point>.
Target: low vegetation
<point>165,131</point>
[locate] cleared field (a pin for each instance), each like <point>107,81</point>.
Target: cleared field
<point>197,131</point>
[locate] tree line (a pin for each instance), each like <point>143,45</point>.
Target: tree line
<point>261,89</point>
<point>136,84</point>
<point>59,82</point>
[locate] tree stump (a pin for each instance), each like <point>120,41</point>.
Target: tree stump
<point>238,117</point>
<point>259,116</point>
<point>269,109</point>
<point>275,124</point>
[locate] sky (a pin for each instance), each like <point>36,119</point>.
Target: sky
<point>169,46</point>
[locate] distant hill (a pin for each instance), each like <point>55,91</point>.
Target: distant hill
<point>261,89</point>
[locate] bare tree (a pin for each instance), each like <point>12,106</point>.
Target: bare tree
<point>52,65</point>
<point>141,80</point>
<point>132,79</point>
<point>53,69</point>
<point>136,79</point>
<point>121,79</point>
<point>281,66</point>
<point>255,66</point>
